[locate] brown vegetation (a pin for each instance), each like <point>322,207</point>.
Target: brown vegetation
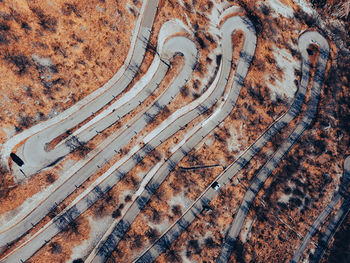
<point>87,47</point>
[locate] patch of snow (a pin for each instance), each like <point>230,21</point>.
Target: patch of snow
<point>182,200</point>
<point>205,80</point>
<point>281,9</point>
<point>172,27</point>
<point>284,198</point>
<point>45,62</point>
<point>246,230</point>
<point>183,255</point>
<point>232,143</point>
<point>78,251</point>
<point>160,227</point>
<point>287,64</point>
<point>98,227</point>
<point>305,6</point>
<point>291,184</point>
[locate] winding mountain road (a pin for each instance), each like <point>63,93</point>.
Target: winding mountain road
<point>174,39</point>
<point>322,217</point>
<point>26,219</point>
<point>208,194</point>
<point>229,26</point>
<point>173,46</point>
<point>327,236</point>
<point>305,40</point>
<point>34,152</point>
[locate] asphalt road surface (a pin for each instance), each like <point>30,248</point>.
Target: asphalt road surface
<point>229,26</point>
<point>116,141</point>
<point>175,45</point>
<point>34,152</point>
<point>36,156</point>
<point>181,224</point>
<point>305,40</point>
<point>25,223</point>
<point>327,236</point>
<point>322,217</point>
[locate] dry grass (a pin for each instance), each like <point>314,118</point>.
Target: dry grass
<point>84,60</point>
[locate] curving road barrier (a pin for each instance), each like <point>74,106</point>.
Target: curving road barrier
<point>305,40</point>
